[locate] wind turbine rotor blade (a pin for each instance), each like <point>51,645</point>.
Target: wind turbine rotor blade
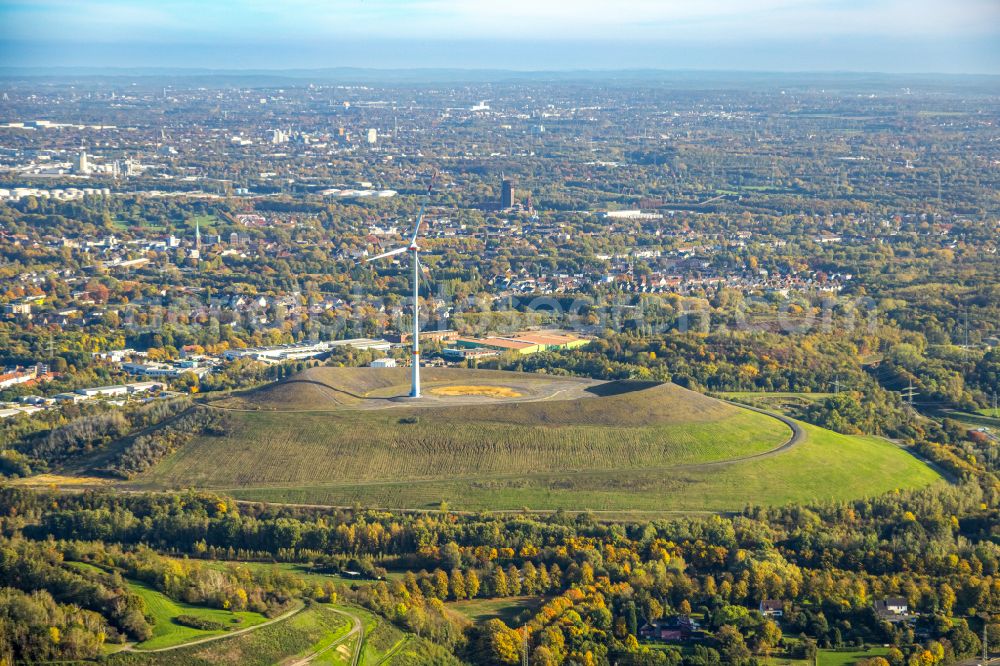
<point>416,227</point>
<point>398,250</point>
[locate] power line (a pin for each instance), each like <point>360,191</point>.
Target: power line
<point>909,392</point>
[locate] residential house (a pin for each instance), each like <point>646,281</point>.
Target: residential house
<point>675,628</point>
<point>772,608</point>
<point>892,609</point>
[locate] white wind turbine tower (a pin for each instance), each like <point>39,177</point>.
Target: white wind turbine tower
<point>415,249</point>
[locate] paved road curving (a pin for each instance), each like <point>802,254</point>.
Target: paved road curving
<point>798,436</point>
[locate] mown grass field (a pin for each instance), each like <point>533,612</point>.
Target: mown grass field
<point>166,632</point>
<point>848,658</point>
<point>507,609</point>
<point>269,449</point>
<point>296,636</point>
<point>831,657</point>
<point>826,466</point>
<point>303,571</point>
<point>612,447</point>
<point>983,418</point>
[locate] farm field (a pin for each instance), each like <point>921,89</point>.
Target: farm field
<point>296,636</point>
<point>620,446</point>
<point>167,632</point>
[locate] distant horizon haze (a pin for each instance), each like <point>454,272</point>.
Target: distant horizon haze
<point>890,36</point>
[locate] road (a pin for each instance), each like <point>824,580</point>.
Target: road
<point>798,436</point>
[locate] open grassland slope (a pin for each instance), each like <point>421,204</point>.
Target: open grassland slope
<point>626,446</point>
<point>657,427</point>
<point>167,631</point>
<point>825,466</point>
<point>299,635</point>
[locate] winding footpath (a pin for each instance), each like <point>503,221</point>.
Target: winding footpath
<point>357,629</point>
<point>281,618</point>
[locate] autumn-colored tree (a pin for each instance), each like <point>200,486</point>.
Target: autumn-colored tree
<point>456,584</point>
<point>471,584</point>
<point>440,584</point>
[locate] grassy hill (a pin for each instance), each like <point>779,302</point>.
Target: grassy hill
<point>327,436</point>
<point>322,389</point>
<point>300,635</point>
<point>167,631</point>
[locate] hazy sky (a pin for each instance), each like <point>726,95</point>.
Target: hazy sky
<point>794,35</point>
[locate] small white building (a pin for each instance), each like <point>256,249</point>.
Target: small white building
<point>119,389</point>
<point>143,387</point>
<point>69,397</point>
<point>384,363</point>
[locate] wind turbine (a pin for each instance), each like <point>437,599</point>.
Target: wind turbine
<point>415,249</point>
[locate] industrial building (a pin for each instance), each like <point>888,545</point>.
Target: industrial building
<point>525,343</point>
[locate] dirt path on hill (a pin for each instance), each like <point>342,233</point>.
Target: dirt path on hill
<point>281,618</point>
<point>357,628</point>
